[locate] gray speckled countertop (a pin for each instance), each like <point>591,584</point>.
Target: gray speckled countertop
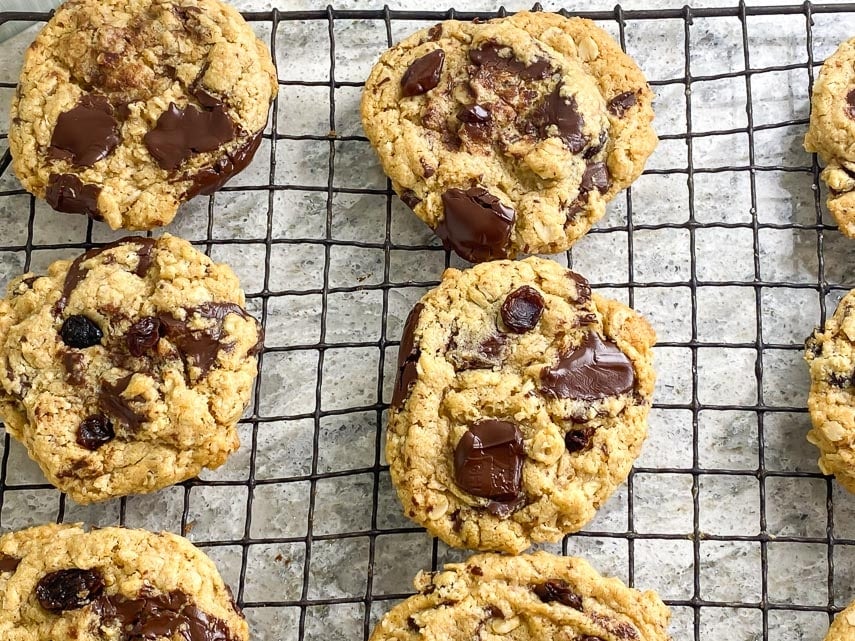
<point>741,531</point>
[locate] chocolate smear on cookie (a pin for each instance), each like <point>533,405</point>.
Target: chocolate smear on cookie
<point>209,179</point>
<point>622,103</point>
<point>559,116</point>
<point>423,74</point>
<point>593,370</point>
<point>112,403</point>
<point>153,616</point>
<point>181,132</point>
<point>476,224</point>
<point>70,195</point>
<point>408,357</point>
<point>488,461</point>
<point>86,134</point>
<point>583,289</point>
<point>500,58</point>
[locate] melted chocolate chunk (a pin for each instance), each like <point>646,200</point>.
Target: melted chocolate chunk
<point>490,55</point>
<point>423,74</point>
<point>475,114</point>
<point>578,440</point>
<point>622,103</point>
<point>476,224</point>
<point>86,134</point>
<point>410,199</point>
<point>842,381</point>
<point>112,403</point>
<point>505,509</point>
<point>76,272</point>
<point>68,194</point>
<point>595,176</point>
<point>179,133</point>
<point>95,431</point>
<point>488,461</point>
<point>73,364</point>
<point>522,309</point>
<point>161,616</point>
<point>204,97</point>
<point>8,563</point>
<point>210,179</point>
<point>850,104</point>
<point>594,370</point>
<point>69,589</point>
<point>80,332</point>
<point>583,289</point>
<point>142,336</point>
<point>487,355</point>
<point>558,590</point>
<point>435,32</point>
<point>559,115</point>
<point>408,357</point>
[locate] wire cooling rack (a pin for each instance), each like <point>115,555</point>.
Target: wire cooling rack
<point>723,243</point>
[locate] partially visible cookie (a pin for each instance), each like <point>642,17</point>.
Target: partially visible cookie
<point>843,626</point>
<point>520,403</point>
<point>126,370</point>
<point>532,597</point>
<point>127,108</point>
<point>58,582</point>
<point>509,136</point>
<point>832,132</point>
<point>830,353</point>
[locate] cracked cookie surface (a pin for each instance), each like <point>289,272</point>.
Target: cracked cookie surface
<point>127,369</point>
<point>520,403</point>
<point>830,354</point>
<point>509,136</point>
<point>127,108</point>
<point>59,582</point>
<point>533,596</point>
<point>831,133</point>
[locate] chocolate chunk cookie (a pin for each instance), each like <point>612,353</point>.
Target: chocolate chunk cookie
<point>127,108</point>
<point>58,582</point>
<point>830,353</point>
<point>126,369</point>
<point>832,132</point>
<point>530,597</point>
<point>520,403</point>
<point>509,136</point>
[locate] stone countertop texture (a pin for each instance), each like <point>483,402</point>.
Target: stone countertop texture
<point>727,509</point>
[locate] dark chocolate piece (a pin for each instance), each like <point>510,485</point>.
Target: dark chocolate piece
<point>408,357</point>
<point>596,369</point>
<point>560,116</point>
<point>622,103</point>
<point>850,104</point>
<point>112,403</point>
<point>80,332</point>
<point>73,364</point>
<point>488,461</point>
<point>209,179</point>
<point>179,133</point>
<point>476,224</point>
<point>85,134</point>
<point>69,589</point>
<point>522,309</point>
<point>423,74</point>
<point>595,176</point>
<point>142,336</point>
<point>410,199</point>
<point>70,195</point>
<point>558,590</point>
<point>475,114</point>
<point>578,440</point>
<point>583,289</point>
<point>95,431</point>
<point>8,563</point>
<point>490,56</point>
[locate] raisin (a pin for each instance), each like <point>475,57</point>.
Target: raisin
<point>578,440</point>
<point>69,589</point>
<point>94,432</point>
<point>78,331</point>
<point>558,590</point>
<point>143,335</point>
<point>522,309</point>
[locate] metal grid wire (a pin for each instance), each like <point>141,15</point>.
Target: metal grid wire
<point>299,609</point>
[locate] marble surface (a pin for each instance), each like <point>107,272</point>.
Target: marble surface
<point>666,247</point>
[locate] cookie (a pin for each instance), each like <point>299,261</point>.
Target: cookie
<point>127,108</point>
<point>529,597</point>
<point>509,136</point>
<point>830,354</point>
<point>126,369</point>
<point>843,626</point>
<point>831,133</point>
<point>59,582</point>
<point>520,403</point>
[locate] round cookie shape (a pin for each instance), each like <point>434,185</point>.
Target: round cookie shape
<point>509,136</point>
<point>831,133</point>
<point>830,354</point>
<point>127,108</point>
<point>532,596</point>
<point>126,370</point>
<point>503,434</point>
<point>61,582</point>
